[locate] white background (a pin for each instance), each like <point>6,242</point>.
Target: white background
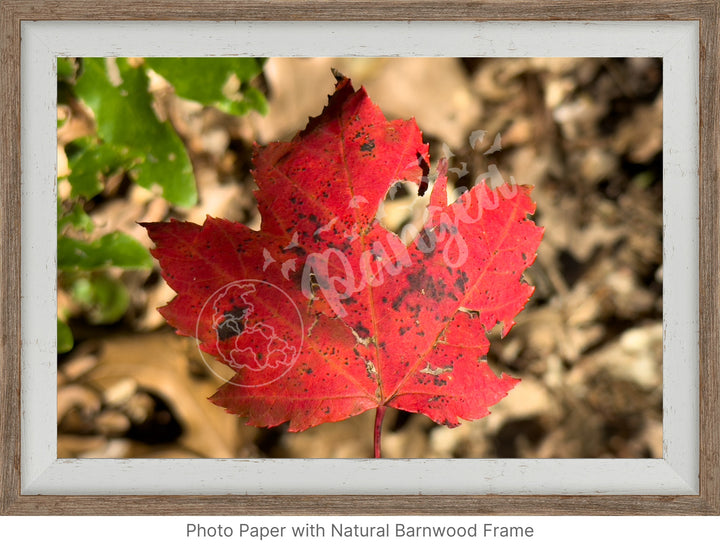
<point>577,534</point>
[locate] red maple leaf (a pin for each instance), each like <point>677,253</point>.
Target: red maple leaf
<point>323,313</point>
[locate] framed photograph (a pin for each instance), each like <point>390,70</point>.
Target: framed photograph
<point>150,161</point>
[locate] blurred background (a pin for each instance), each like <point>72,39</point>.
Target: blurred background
<point>150,139</point>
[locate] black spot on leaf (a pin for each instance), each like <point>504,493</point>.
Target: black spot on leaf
<point>233,324</point>
<point>368,146</point>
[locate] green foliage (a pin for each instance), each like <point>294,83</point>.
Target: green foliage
<point>105,299</point>
<point>65,340</point>
<point>130,139</point>
<point>114,249</point>
<point>65,69</point>
<point>82,269</point>
<point>224,84</point>
<point>127,123</point>
<point>89,162</point>
<point>76,218</point>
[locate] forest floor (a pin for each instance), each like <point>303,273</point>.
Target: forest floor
<point>586,133</point>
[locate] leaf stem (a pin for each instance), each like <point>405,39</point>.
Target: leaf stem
<point>379,415</point>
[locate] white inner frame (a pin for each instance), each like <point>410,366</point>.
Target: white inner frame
<point>676,473</point>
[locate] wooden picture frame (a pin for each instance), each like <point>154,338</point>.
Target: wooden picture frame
<point>705,14</point>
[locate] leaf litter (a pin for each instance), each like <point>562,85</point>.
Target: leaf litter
<point>597,304</point>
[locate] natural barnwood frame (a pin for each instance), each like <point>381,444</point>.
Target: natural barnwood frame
<point>706,13</point>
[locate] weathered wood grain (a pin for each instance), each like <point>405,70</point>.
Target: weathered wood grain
<point>9,257</point>
<point>361,505</point>
<point>360,10</point>
<point>710,257</point>
<point>707,12</point>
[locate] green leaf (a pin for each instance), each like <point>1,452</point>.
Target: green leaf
<point>91,163</point>
<point>77,218</point>
<point>127,122</point>
<point>115,249</point>
<point>105,299</point>
<point>64,337</point>
<point>219,82</point>
<point>65,68</point>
